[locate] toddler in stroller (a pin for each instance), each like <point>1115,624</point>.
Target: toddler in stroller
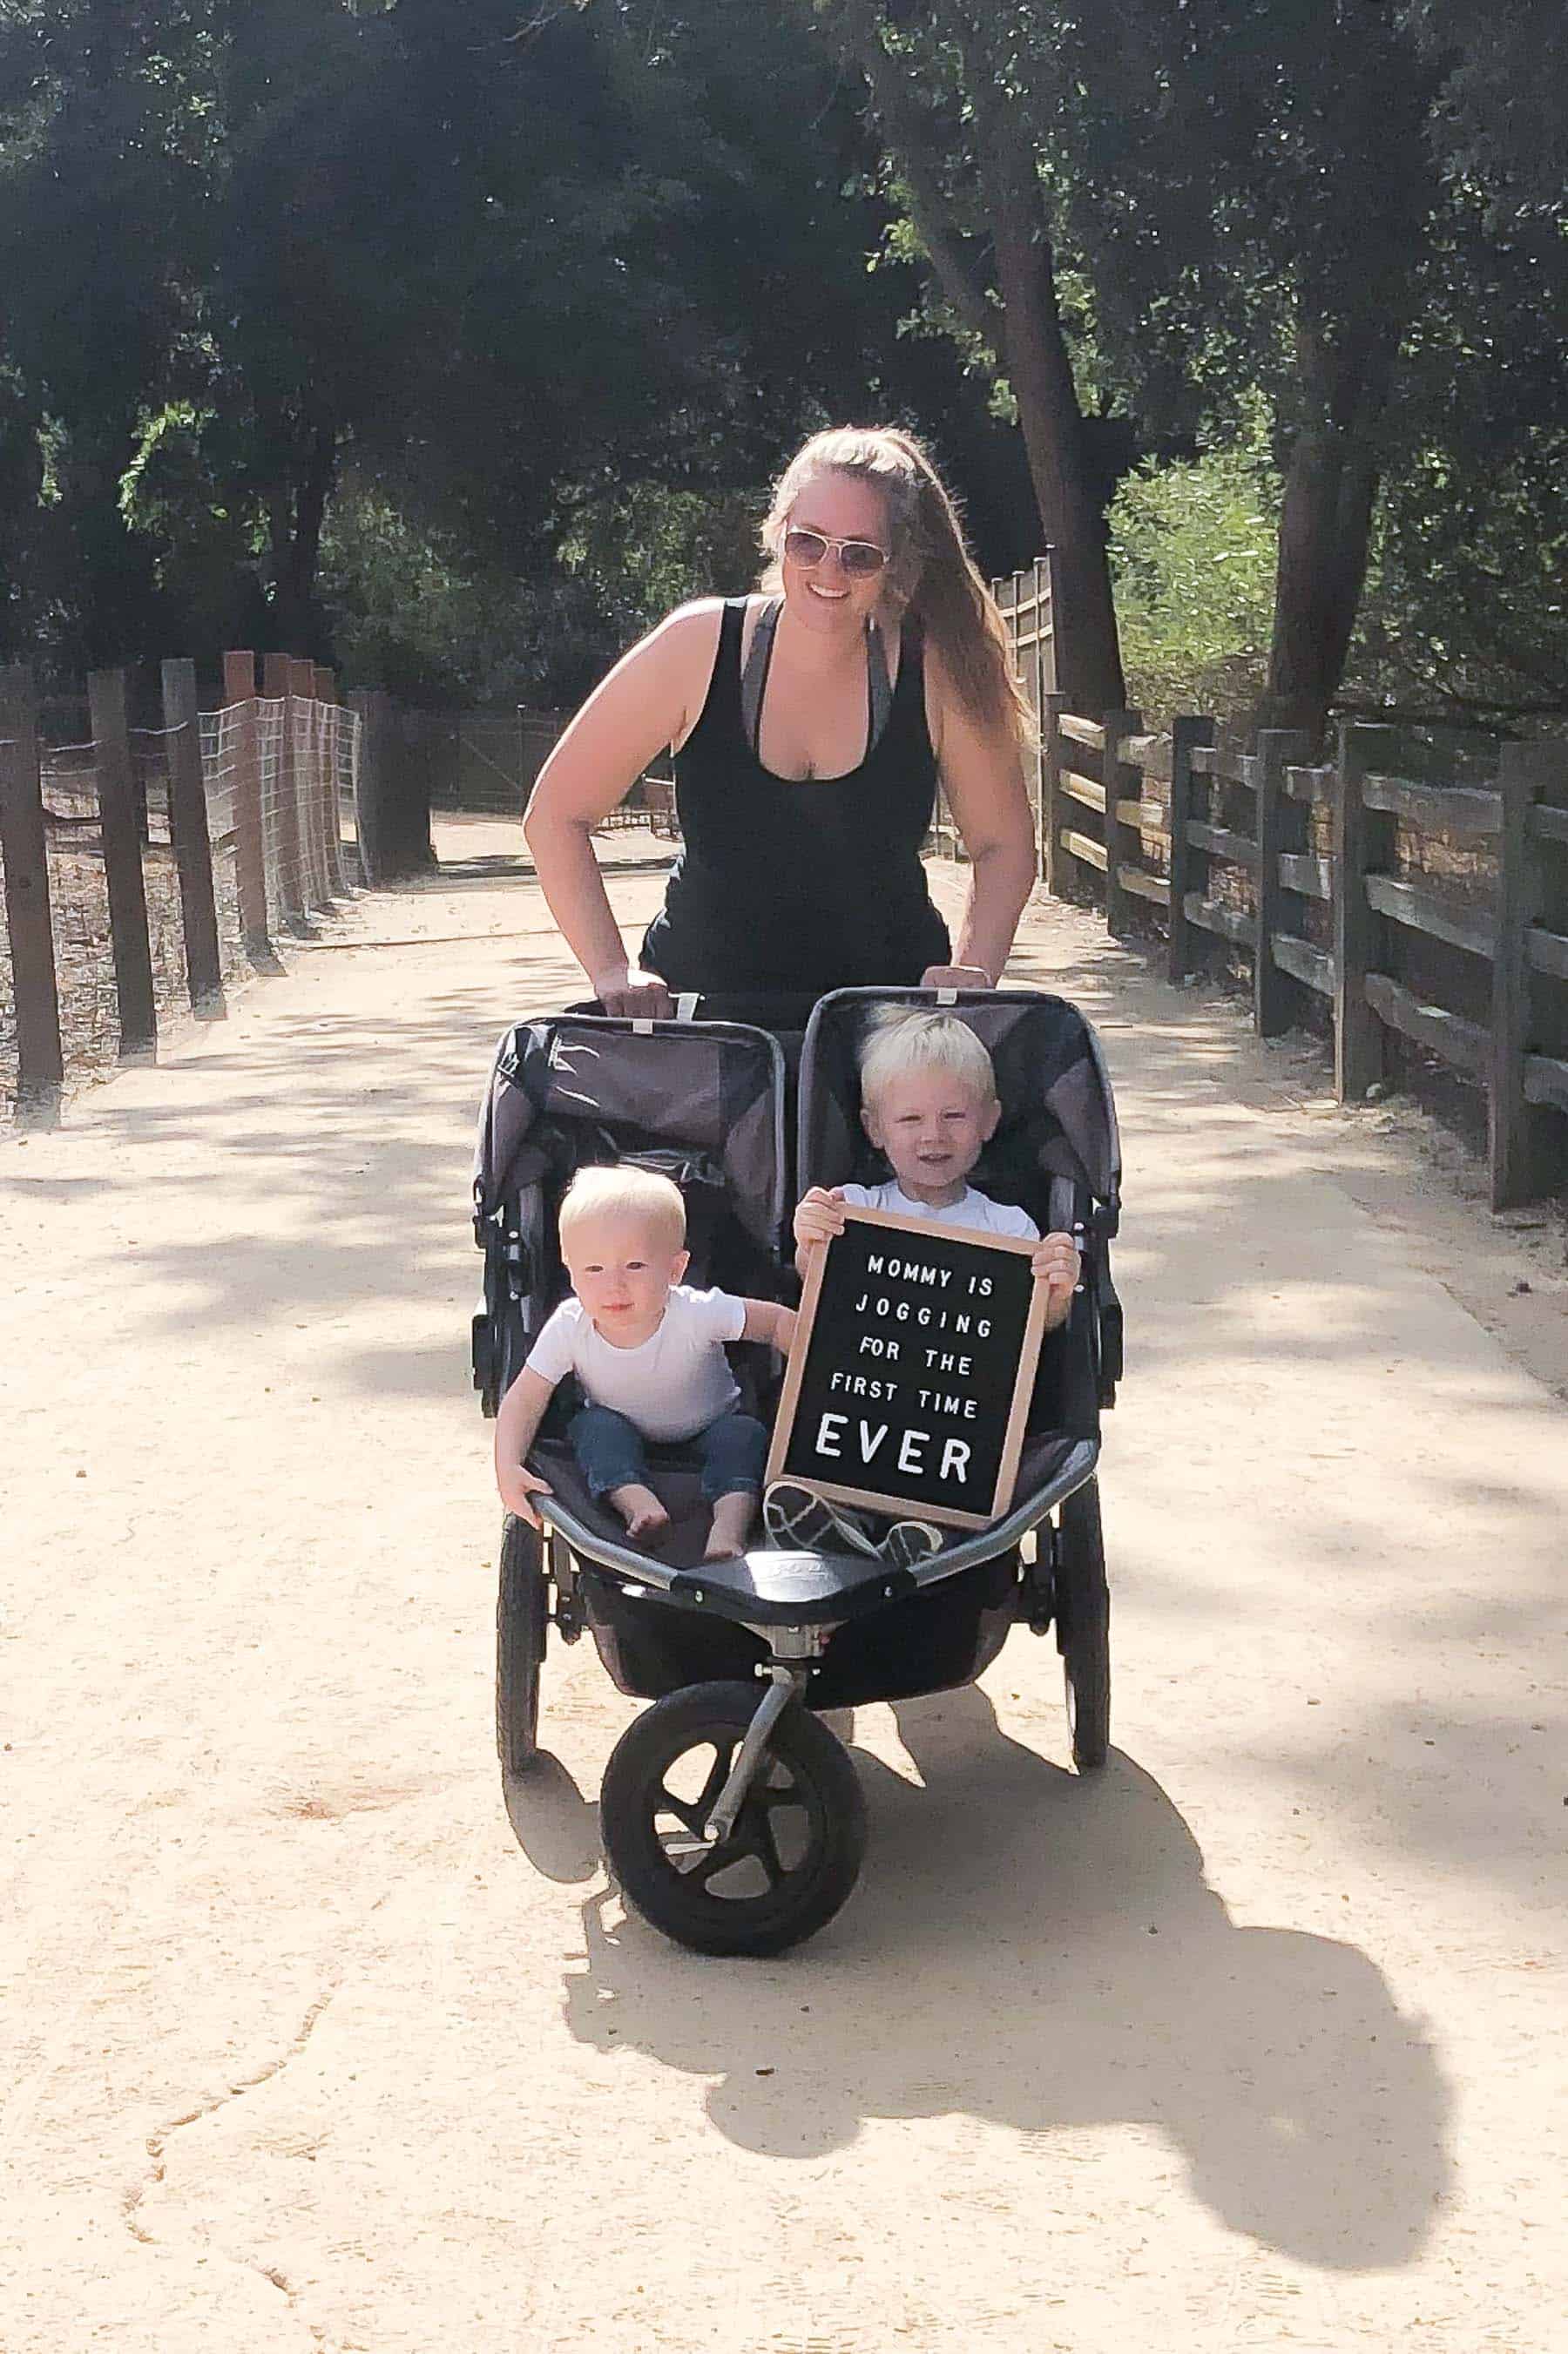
<point>647,1351</point>
<point>731,1814</point>
<point>929,1105</point>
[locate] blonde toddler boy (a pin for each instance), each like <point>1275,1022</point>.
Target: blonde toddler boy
<point>649,1353</point>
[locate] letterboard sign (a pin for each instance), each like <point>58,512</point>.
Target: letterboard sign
<point>912,1370</point>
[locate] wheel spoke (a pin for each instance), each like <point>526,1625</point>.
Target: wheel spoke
<point>724,1755</point>
<point>717,1859</point>
<point>685,1810</point>
<point>694,1812</point>
<point>764,1846</point>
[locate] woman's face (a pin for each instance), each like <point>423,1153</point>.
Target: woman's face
<point>825,596</point>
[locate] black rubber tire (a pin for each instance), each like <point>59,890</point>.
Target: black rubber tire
<point>820,1781</point>
<point>521,1612</point>
<point>1083,1627</point>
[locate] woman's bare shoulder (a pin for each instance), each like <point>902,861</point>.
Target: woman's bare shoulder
<point>696,624</point>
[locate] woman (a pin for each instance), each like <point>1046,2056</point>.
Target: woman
<point>811,725</point>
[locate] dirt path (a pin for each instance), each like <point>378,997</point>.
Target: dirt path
<point>1254,2043</point>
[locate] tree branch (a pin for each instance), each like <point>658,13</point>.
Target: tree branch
<point>893,95</point>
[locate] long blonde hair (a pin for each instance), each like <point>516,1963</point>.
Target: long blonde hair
<point>932,574</point>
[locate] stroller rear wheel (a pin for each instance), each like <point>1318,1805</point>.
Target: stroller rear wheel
<point>520,1616</point>
<point>796,1848</point>
<point>1083,1625</point>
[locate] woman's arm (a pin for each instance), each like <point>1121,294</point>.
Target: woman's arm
<point>982,776</point>
<point>648,700</point>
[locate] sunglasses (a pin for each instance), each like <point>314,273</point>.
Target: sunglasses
<point>860,558</point>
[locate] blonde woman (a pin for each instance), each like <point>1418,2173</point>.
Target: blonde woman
<point>810,723</point>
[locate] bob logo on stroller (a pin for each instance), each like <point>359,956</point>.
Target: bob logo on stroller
<point>912,1370</point>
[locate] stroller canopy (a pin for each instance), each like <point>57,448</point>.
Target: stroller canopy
<point>704,1099</point>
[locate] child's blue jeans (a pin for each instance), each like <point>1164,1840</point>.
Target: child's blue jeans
<point>613,1453</point>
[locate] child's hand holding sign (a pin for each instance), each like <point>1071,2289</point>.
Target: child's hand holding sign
<point>1056,1264</point>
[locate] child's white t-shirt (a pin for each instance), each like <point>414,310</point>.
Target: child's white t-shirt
<point>976,1211</point>
<point>676,1383</point>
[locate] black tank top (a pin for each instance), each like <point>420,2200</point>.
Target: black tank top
<point>798,887</point>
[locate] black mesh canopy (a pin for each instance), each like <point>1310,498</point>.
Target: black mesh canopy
<point>704,1099</point>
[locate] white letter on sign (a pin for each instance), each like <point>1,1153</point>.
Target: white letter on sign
<point>827,1440</point>
<point>870,1440</point>
<point>911,1462</point>
<point>955,1459</point>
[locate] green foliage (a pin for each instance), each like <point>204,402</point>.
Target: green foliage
<point>504,317</point>
<point>414,614</point>
<point>1192,549</point>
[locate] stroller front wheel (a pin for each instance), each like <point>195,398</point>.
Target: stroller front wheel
<point>796,1848</point>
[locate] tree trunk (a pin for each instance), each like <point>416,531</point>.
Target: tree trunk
<point>1325,526</point>
<point>1033,348</point>
<point>296,533</point>
<point>1039,370</point>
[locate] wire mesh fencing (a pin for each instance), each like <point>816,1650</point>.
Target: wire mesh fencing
<point>144,868</point>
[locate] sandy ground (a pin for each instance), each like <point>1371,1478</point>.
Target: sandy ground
<point>1253,2042</point>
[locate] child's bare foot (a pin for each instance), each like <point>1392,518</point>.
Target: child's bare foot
<point>644,1515</point>
<point>731,1525</point>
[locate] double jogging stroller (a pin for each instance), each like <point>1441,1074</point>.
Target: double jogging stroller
<point>732,1816</point>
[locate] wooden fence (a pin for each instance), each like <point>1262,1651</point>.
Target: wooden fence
<point>1410,913</point>
<point>1432,913</point>
<point>145,867</point>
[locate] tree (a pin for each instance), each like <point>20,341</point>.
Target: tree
<point>105,165</point>
<point>966,97</point>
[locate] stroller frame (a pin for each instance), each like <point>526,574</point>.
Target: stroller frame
<point>782,1608</point>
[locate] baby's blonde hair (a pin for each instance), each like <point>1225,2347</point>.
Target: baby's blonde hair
<point>625,1192</point>
<point>902,1038</point>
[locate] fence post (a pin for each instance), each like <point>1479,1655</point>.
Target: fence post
<point>122,865</point>
<point>249,853</point>
<point>374,707</point>
<point>40,1063</point>
<point>1513,1125</point>
<point>284,811</point>
<point>1118,726</point>
<point>1034,688</point>
<point>1050,785</point>
<point>1359,849</point>
<point>1187,732</point>
<point>191,842</point>
<point>301,717</point>
<point>1053,563</point>
<point>331,719</point>
<point>1274,1001</point>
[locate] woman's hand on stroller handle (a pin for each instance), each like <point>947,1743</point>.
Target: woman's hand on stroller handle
<point>634,994</point>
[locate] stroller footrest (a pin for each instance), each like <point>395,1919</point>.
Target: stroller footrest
<point>792,1589</point>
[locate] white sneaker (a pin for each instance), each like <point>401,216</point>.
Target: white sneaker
<point>908,1542</point>
<point>802,1522</point>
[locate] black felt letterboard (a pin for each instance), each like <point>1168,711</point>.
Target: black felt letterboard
<point>912,1370</point>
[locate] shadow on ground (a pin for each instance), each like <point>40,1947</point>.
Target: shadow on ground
<point>1043,1952</point>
